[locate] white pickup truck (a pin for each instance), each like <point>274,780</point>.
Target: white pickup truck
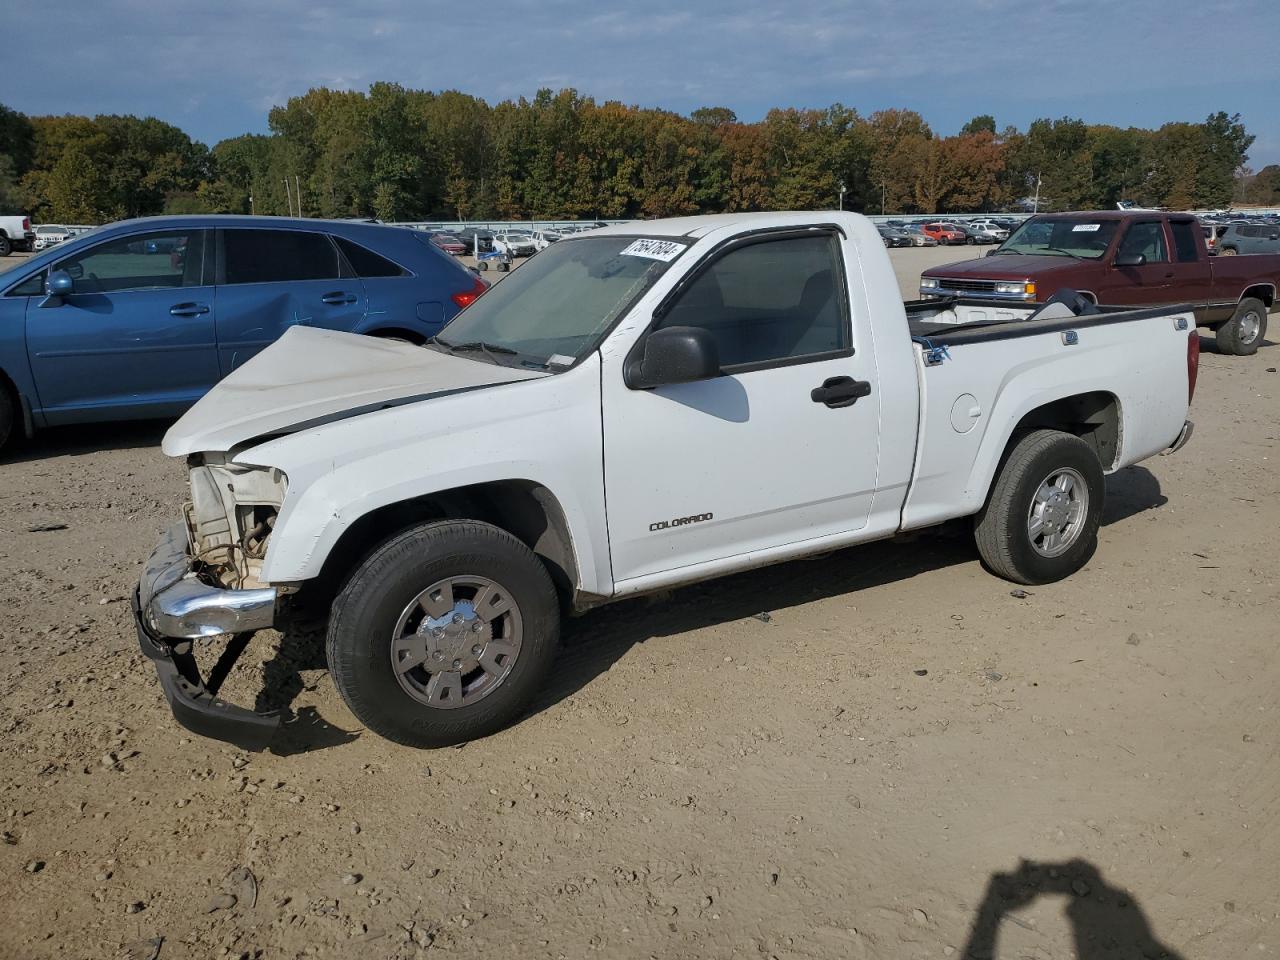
<point>636,408</point>
<point>16,234</point>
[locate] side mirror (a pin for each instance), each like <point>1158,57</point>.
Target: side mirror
<point>1130,260</point>
<point>992,252</point>
<point>674,355</point>
<point>58,285</point>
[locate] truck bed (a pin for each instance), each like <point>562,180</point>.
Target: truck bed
<point>957,320</point>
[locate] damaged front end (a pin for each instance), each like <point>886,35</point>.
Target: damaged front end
<point>203,581</point>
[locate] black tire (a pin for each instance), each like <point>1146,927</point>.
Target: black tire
<point>484,265</point>
<point>370,606</point>
<point>1228,252</point>
<point>5,246</point>
<point>8,414</point>
<point>1245,331</point>
<point>1001,529</point>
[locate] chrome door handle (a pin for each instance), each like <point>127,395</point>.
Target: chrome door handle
<point>337,297</point>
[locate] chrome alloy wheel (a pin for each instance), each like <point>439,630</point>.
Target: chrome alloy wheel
<point>1250,325</point>
<point>1058,511</point>
<point>456,642</point>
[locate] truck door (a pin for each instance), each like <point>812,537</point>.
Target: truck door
<point>1148,282</point>
<point>754,458</point>
<point>1192,277</point>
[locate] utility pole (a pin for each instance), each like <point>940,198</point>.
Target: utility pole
<point>1035,204</point>
<point>297,192</point>
<point>288,197</point>
<point>251,211</point>
<point>882,198</point>
<point>842,193</point>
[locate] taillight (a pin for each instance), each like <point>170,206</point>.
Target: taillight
<point>26,223</point>
<point>467,297</point>
<point>1193,363</point>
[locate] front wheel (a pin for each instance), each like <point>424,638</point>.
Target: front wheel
<point>5,246</point>
<point>444,634</point>
<point>1245,331</point>
<point>7,416</point>
<point>1041,521</point>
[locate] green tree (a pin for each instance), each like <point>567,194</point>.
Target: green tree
<point>983,123</point>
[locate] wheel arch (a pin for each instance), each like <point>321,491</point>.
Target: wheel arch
<point>1095,416</point>
<point>524,508</point>
<point>1266,292</point>
<point>21,404</point>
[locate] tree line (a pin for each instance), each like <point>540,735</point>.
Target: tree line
<point>403,154</point>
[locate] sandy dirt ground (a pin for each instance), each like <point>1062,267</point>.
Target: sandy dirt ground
<point>880,753</point>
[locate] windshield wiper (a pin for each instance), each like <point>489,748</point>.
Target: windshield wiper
<point>490,350</point>
<point>1074,256</point>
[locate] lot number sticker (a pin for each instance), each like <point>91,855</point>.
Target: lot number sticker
<point>664,250</point>
<point>1086,228</point>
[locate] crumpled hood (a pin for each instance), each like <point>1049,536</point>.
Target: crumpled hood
<point>311,376</point>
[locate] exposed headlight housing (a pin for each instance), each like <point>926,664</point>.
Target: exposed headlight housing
<point>928,283</point>
<point>231,514</point>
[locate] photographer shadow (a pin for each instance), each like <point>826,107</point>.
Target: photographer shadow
<point>1106,921</point>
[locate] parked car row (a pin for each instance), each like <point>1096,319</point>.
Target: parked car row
<point>947,232</point>
<point>517,243</point>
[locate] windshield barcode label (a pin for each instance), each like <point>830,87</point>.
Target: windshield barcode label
<point>665,250</point>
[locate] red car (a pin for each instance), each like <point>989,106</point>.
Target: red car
<point>449,243</point>
<point>945,233</point>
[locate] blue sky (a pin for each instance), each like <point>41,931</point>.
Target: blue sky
<point>216,68</point>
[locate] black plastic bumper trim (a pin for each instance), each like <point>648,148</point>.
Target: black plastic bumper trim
<point>194,703</point>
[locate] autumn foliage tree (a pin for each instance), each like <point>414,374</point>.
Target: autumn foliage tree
<point>405,154</point>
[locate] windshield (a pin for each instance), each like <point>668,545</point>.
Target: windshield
<point>1062,237</point>
<point>553,310</point>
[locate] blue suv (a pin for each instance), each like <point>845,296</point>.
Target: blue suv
<point>140,318</point>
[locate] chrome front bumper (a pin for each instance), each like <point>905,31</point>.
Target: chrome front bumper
<point>171,609</point>
<point>179,606</point>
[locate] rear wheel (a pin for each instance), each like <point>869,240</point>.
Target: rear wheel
<point>444,634</point>
<point>1245,331</point>
<point>1041,521</point>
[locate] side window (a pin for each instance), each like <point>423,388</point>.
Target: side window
<point>33,286</point>
<point>770,301</point>
<point>365,262</point>
<point>1145,238</point>
<point>146,261</point>
<point>1184,241</point>
<point>265,256</point>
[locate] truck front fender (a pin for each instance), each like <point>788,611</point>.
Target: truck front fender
<point>341,472</point>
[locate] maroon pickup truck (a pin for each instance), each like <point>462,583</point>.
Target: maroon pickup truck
<point>1124,258</point>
